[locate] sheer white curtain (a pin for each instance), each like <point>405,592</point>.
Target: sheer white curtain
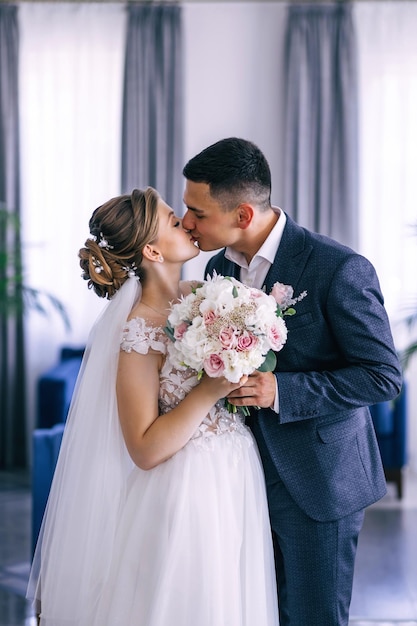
<point>388,155</point>
<point>71,75</point>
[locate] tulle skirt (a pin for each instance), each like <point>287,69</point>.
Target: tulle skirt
<point>193,546</point>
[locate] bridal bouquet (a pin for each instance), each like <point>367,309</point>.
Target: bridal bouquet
<point>224,328</point>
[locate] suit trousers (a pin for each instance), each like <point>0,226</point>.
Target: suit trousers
<point>314,560</point>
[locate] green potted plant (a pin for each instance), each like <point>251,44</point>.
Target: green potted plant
<point>411,321</point>
<point>411,349</point>
<point>15,296</point>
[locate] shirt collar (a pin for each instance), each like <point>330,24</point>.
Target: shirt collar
<point>269,247</point>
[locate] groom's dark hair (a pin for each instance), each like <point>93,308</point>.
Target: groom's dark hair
<point>235,170</point>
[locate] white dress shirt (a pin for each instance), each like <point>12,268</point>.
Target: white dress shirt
<point>254,273</point>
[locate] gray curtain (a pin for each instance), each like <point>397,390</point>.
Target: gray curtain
<point>12,371</point>
<point>321,161</point>
<point>152,139</point>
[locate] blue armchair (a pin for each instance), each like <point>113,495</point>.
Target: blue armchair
<point>55,389</point>
<point>390,422</point>
<point>46,443</point>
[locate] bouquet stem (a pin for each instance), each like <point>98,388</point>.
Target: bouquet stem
<point>232,408</point>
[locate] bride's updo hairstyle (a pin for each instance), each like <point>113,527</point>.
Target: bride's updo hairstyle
<point>120,228</point>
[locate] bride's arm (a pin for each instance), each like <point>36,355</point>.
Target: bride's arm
<point>152,438</point>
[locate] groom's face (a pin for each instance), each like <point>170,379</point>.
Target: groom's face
<point>209,224</point>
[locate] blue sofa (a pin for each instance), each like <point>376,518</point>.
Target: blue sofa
<point>390,422</point>
<point>54,392</point>
<point>46,443</point>
<point>55,389</point>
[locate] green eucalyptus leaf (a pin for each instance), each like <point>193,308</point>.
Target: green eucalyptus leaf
<point>270,362</point>
<point>169,330</point>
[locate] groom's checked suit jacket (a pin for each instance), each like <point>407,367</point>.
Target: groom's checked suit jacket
<point>339,359</point>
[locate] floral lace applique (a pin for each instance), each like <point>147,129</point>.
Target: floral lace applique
<point>139,336</point>
<point>177,381</point>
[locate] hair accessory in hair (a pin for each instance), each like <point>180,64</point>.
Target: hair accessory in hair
<point>131,270</point>
<point>103,243</point>
<point>98,268</point>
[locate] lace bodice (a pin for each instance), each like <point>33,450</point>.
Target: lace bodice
<point>140,336</point>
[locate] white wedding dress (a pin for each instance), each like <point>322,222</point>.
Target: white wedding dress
<point>193,546</point>
<point>187,543</point>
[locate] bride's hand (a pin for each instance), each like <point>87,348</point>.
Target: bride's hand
<point>220,387</point>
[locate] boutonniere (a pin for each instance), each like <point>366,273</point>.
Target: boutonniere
<point>284,297</point>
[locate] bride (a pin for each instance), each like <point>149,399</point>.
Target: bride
<point>157,513</point>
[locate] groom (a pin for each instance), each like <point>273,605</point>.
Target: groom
<point>314,430</point>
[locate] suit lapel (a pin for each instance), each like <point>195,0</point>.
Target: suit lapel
<point>230,269</point>
<point>222,266</point>
<point>290,259</point>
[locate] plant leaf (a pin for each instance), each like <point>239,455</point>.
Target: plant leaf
<point>270,362</point>
<point>169,330</point>
<point>38,300</point>
<point>407,354</point>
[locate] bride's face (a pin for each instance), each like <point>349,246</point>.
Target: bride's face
<point>174,243</point>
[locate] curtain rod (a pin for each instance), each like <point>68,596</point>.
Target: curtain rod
<point>289,2</point>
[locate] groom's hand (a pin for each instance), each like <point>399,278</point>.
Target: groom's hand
<point>259,390</point>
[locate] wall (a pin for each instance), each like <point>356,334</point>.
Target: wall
<point>233,61</point>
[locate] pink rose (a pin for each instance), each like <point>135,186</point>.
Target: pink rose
<point>277,334</point>
<point>246,341</point>
<point>256,294</point>
<point>283,294</point>
<point>209,317</point>
<point>213,366</point>
<point>227,337</point>
<point>180,330</point>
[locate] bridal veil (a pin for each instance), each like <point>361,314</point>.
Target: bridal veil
<point>74,548</point>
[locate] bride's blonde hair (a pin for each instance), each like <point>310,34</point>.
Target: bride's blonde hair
<point>120,228</point>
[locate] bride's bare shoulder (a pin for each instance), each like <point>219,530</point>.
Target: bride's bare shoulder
<point>186,286</point>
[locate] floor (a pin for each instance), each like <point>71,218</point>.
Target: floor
<point>385,584</point>
<point>15,512</point>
